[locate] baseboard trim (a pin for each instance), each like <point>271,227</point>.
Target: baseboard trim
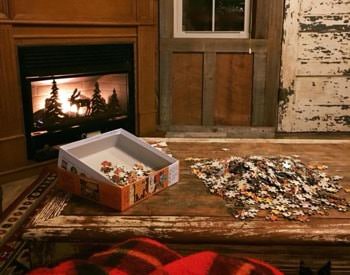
<point>220,132</point>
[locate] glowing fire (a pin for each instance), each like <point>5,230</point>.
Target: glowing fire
<point>76,104</point>
<point>67,108</point>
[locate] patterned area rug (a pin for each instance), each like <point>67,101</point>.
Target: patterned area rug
<point>14,252</point>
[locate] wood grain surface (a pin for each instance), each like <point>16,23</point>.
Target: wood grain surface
<point>187,86</point>
<point>75,22</point>
<point>233,93</point>
<point>315,61</point>
<point>188,218</point>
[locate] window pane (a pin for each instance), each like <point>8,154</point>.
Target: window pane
<point>197,15</point>
<point>229,15</point>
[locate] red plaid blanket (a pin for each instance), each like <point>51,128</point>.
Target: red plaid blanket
<point>146,256</point>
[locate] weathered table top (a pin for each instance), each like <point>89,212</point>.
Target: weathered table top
<point>186,212</point>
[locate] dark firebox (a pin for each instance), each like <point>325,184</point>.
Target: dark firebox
<point>71,91</point>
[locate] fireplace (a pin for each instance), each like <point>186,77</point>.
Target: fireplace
<point>72,91</point>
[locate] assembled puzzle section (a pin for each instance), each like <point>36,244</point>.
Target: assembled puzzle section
<point>115,169</point>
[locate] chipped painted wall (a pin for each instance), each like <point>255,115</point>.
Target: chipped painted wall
<point>315,72</point>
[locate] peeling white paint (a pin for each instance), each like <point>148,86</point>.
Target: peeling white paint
<point>323,54</point>
<point>324,6</point>
<point>324,23</point>
<point>322,90</point>
<point>315,73</point>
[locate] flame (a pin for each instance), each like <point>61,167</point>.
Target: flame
<point>67,108</point>
<point>63,97</point>
<point>81,111</point>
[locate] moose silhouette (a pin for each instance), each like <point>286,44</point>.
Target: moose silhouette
<point>80,101</point>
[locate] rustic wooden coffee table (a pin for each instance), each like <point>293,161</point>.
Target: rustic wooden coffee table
<point>188,218</point>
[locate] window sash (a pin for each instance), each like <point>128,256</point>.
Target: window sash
<point>179,32</point>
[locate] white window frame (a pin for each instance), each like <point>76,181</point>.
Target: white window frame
<point>180,33</point>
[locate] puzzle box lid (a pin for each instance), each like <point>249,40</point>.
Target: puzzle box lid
<point>117,146</point>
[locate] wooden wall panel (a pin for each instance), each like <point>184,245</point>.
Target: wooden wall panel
<point>233,93</point>
<point>11,118</point>
<point>74,10</point>
<point>322,103</point>
<point>318,7</point>
<point>3,9</point>
<point>323,91</point>
<point>73,40</point>
<point>315,70</point>
<point>186,88</point>
<point>260,99</point>
<point>329,22</point>
<point>214,45</point>
<point>13,153</point>
<point>260,18</point>
<point>166,19</point>
<point>323,53</point>
<point>264,44</point>
<point>325,118</point>
<point>146,100</point>
<point>209,72</point>
<point>272,83</point>
<point>44,31</point>
<point>145,11</point>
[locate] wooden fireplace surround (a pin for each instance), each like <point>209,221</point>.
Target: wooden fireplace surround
<point>41,22</point>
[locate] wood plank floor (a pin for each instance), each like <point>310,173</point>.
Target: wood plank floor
<point>13,189</point>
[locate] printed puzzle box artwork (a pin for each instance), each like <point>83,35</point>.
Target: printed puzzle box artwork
<point>116,169</point>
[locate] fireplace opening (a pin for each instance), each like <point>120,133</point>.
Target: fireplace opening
<point>70,92</point>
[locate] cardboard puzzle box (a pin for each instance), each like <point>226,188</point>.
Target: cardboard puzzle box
<point>80,169</point>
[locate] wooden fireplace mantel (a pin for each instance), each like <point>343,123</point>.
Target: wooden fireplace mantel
<point>74,22</point>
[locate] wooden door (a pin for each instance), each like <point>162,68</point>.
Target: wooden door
<point>233,89</point>
<point>186,86</point>
<point>220,81</point>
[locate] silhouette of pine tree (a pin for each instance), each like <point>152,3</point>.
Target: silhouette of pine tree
<point>53,108</point>
<point>98,104</point>
<point>113,103</point>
